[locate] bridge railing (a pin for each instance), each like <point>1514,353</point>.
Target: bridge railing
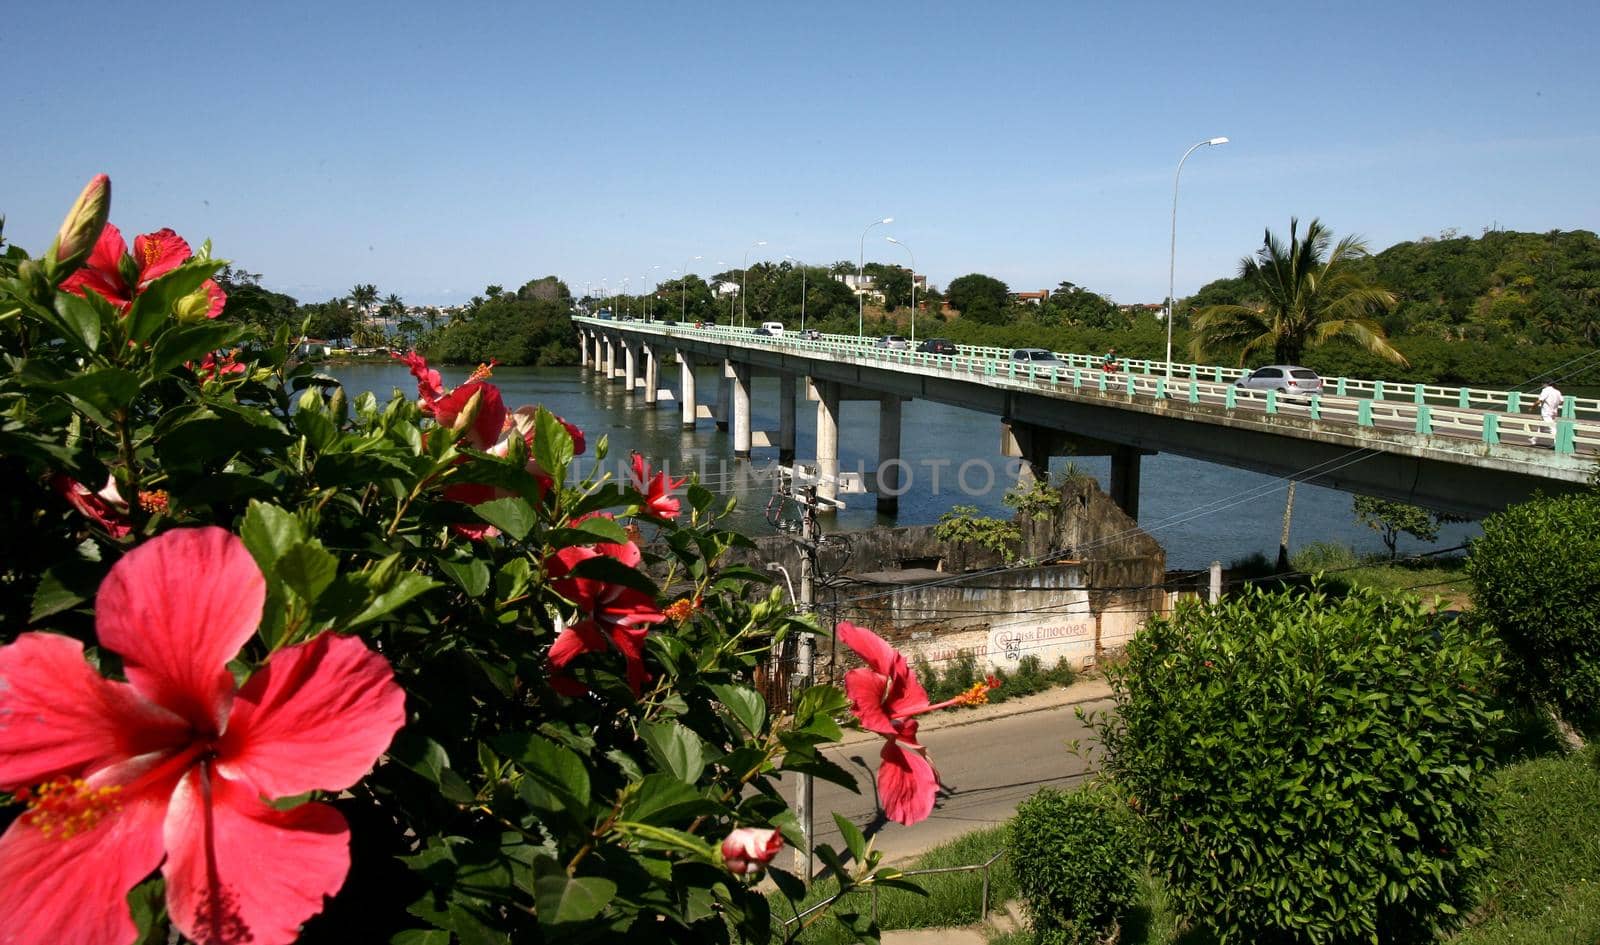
<point>1427,409</point>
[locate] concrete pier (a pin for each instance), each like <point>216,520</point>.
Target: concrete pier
<point>630,366</point>
<point>651,381</point>
<point>741,410</point>
<point>686,390</point>
<point>1125,480</point>
<point>827,395</point>
<point>889,455</point>
<point>786,399</point>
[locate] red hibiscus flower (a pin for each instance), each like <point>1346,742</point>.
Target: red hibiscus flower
<point>119,278</point>
<point>885,696</point>
<point>170,768</point>
<point>657,490</point>
<point>105,508</point>
<point>430,386</point>
<point>213,368</point>
<point>749,850</point>
<point>609,615</point>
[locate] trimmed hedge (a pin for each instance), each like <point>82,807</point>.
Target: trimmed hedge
<point>1074,857</point>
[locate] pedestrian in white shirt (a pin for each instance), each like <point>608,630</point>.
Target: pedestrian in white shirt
<point>1550,403</point>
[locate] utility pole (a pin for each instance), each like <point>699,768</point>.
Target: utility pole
<point>804,808</point>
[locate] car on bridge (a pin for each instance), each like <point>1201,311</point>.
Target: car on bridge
<point>1038,356</point>
<point>897,342</point>
<point>1288,379</point>
<point>938,346</point>
<point>811,334</point>
<point>763,331</point>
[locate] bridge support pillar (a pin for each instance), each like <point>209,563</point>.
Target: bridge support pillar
<point>1125,480</point>
<point>686,384</point>
<point>741,410</point>
<point>583,349</point>
<point>786,399</point>
<point>651,380</point>
<point>827,393</point>
<point>889,455</point>
<point>611,359</point>
<point>724,396</point>
<point>599,358</point>
<point>630,365</point>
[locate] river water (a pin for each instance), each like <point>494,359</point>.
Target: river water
<point>1199,511</point>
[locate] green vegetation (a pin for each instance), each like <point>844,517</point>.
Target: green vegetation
<point>1393,519</point>
<point>1069,852</point>
<point>532,326</point>
<point>1036,499</point>
<point>1342,570</point>
<point>1029,677</point>
<point>963,525</point>
<point>1302,295</point>
<point>1537,576</point>
<point>949,899</point>
<point>1347,801</point>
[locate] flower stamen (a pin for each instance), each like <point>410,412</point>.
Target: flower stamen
<point>64,807</point>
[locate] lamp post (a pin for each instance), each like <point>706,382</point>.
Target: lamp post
<point>1172,257</point>
<point>802,267</point>
<point>625,300</point>
<point>742,273</point>
<point>683,294</point>
<point>655,286</point>
<point>861,263</point>
<point>913,285</point>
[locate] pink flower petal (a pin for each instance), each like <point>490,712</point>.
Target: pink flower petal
<point>866,690</point>
<point>60,717</point>
<point>240,871</point>
<point>873,649</point>
<point>73,890</point>
<point>178,608</point>
<point>158,253</point>
<point>316,716</point>
<point>906,784</point>
<point>576,639</point>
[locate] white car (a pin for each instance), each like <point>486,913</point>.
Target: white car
<point>897,342</point>
<point>1288,379</point>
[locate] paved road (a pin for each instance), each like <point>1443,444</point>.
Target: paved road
<point>988,768</point>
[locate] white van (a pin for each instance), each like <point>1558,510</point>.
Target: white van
<point>776,328</point>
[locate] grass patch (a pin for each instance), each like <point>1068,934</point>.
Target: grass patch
<point>952,898</point>
<point>1029,676</point>
<point>1542,886</point>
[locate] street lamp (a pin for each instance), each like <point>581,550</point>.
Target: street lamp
<point>1172,258</point>
<point>802,267</point>
<point>683,294</point>
<point>742,272</point>
<point>913,285</point>
<point>861,263</point>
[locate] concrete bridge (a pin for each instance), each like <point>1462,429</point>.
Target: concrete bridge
<point>1460,450</point>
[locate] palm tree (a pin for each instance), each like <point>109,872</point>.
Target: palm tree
<point>1307,296</point>
<point>363,297</point>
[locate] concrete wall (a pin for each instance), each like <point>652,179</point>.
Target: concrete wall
<point>933,600</point>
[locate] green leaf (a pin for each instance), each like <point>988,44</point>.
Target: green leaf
<point>512,579</point>
<point>101,392</point>
<point>80,318</point>
<point>154,306</point>
<point>188,342</point>
<point>421,754</point>
<point>311,419</point>
<point>852,837</point>
<point>605,529</point>
<point>675,748</point>
<point>307,569</point>
<point>662,798</point>
<point>472,575</point>
<point>511,515</point>
<point>421,937</point>
<point>556,769</point>
<point>64,586</point>
<point>818,703</point>
<point>405,587</point>
<point>269,532</point>
<point>561,899</point>
<point>552,445</point>
<point>611,571</point>
<point>743,704</point>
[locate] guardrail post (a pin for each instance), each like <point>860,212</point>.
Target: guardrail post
<point>1462,399</point>
<point>1364,412</point>
<point>1217,374</point>
<point>1077,379</point>
<point>1513,401</point>
<point>1417,395</point>
<point>1194,372</point>
<point>1102,382</point>
<point>983,904</point>
<point>1338,387</point>
<point>1565,442</point>
<point>1377,390</point>
<point>1424,419</point>
<point>1568,408</point>
<point>1491,428</point>
<point>1230,398</point>
<point>1161,388</point>
<point>1130,385</point>
<point>1272,401</point>
<point>1316,406</point>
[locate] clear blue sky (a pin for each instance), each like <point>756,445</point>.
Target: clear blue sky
<point>436,148</point>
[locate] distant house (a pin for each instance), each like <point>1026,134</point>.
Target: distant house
<point>1030,298</point>
<point>723,288</point>
<point>860,285</point>
<point>312,348</point>
<point>1143,308</point>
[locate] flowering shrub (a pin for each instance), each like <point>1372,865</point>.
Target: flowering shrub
<point>315,667</point>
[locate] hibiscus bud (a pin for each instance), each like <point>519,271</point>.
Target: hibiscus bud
<point>468,415</point>
<point>339,406</point>
<point>79,231</point>
<point>748,849</point>
<point>34,281</point>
